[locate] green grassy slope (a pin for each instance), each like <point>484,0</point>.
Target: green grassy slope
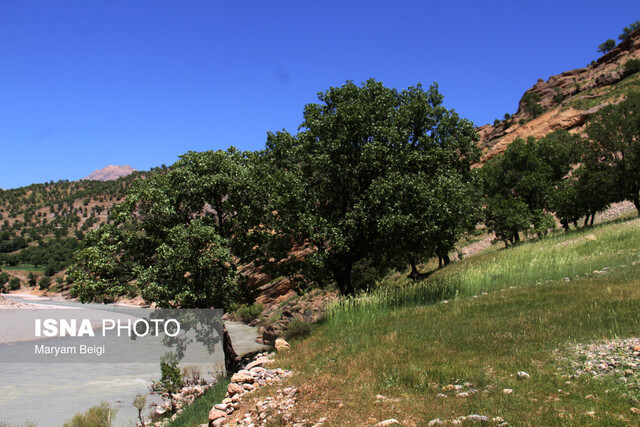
<point>530,316</point>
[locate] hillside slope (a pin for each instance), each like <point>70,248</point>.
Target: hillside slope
<point>568,99</point>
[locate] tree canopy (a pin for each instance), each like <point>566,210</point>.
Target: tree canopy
<point>613,147</point>
<point>177,236</point>
<point>628,30</point>
<point>373,174</point>
<point>607,46</point>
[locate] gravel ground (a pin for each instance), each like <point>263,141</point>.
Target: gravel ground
<point>619,358</point>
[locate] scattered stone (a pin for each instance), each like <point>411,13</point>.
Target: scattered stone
<point>477,418</point>
<point>507,391</point>
<point>522,375</point>
<point>441,395</point>
<point>463,394</point>
<point>589,396</point>
<point>635,411</point>
<point>435,422</point>
<point>388,422</point>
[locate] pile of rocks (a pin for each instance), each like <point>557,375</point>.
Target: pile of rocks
<point>185,397</point>
<point>466,419</point>
<point>246,380</point>
<point>619,358</point>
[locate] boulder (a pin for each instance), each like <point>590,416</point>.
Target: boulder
<point>242,378</point>
<point>214,414</point>
<point>234,389</point>
<point>281,345</point>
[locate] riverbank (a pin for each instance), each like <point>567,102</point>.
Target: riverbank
<point>50,394</point>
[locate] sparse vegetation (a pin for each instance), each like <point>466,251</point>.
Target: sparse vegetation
<point>530,102</point>
<point>247,312</point>
<point>631,66</point>
<point>98,416</point>
<point>628,30</point>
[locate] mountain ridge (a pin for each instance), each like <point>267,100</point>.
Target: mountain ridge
<point>566,100</point>
<point>109,173</point>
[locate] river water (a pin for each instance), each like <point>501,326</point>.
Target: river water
<point>48,394</point>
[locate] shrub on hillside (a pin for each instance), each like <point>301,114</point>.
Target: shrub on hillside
<point>247,313</point>
<point>14,284</point>
<point>44,283</point>
<point>4,278</point>
<point>297,328</point>
<point>632,66</point>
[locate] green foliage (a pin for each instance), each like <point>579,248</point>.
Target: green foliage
<point>628,30</point>
<point>558,98</point>
<point>613,147</point>
<point>364,178</point>
<point>197,413</point>
<point>607,46</point>
<point>14,284</point>
<point>32,279</point>
<point>171,379</point>
<point>179,234</point>
<point>4,278</point>
<point>248,312</point>
<point>96,416</point>
<point>530,102</point>
<point>44,282</point>
<point>520,184</point>
<point>632,66</point>
<point>297,328</point>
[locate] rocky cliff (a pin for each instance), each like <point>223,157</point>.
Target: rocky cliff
<point>566,100</point>
<point>109,173</point>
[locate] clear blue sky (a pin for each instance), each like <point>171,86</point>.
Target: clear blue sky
<point>85,84</point>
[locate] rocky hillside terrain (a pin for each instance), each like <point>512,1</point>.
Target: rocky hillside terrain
<point>567,100</point>
<point>109,173</point>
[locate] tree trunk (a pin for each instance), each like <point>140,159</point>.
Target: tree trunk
<point>575,223</point>
<point>343,279</point>
<point>586,221</point>
<point>443,260</point>
<point>516,237</point>
<point>415,274</point>
<point>593,216</point>
<point>231,358</point>
<point>565,224</point>
<point>636,202</point>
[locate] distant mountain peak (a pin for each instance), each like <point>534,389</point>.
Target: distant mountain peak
<point>109,173</point>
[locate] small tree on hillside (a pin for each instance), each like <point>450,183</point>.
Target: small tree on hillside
<point>613,145</point>
<point>531,104</point>
<point>171,379</point>
<point>607,46</point>
<point>628,30</point>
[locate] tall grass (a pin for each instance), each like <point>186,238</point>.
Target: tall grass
<point>198,412</point>
<point>561,256</point>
